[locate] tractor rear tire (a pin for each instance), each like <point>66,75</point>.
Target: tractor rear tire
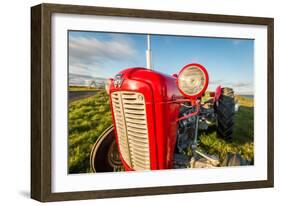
<point>225,110</point>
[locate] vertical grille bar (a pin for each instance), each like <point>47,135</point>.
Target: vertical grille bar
<point>120,126</point>
<point>131,125</point>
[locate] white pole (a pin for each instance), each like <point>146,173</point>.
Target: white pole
<point>148,54</point>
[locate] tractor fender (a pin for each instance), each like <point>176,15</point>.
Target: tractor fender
<point>217,94</point>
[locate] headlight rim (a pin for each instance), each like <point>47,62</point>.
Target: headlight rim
<point>200,93</point>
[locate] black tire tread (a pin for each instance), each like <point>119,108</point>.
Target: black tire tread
<point>225,114</point>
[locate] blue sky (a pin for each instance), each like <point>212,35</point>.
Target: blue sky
<point>97,54</point>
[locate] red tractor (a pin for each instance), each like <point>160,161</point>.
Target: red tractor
<point>156,120</point>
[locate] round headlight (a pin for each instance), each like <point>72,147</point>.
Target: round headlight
<point>193,80</point>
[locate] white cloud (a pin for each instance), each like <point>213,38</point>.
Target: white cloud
<point>89,55</point>
<point>239,87</point>
<point>216,82</point>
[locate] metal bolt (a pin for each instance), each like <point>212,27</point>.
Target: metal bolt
<point>140,98</point>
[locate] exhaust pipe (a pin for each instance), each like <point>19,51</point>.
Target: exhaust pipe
<point>148,54</point>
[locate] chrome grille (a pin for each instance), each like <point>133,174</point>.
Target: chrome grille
<point>131,126</point>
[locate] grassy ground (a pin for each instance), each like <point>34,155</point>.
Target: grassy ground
<point>88,118</point>
<point>243,141</point>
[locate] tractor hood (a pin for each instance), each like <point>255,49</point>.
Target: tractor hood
<point>163,87</point>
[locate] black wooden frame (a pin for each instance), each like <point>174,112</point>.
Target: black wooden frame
<point>41,101</point>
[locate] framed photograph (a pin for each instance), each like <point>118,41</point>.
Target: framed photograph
<point>130,102</point>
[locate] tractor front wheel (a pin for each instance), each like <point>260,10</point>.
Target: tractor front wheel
<point>225,109</point>
<point>105,155</point>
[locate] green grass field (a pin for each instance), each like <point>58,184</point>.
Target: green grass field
<point>89,117</point>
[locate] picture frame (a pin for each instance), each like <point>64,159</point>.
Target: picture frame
<point>41,101</point>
